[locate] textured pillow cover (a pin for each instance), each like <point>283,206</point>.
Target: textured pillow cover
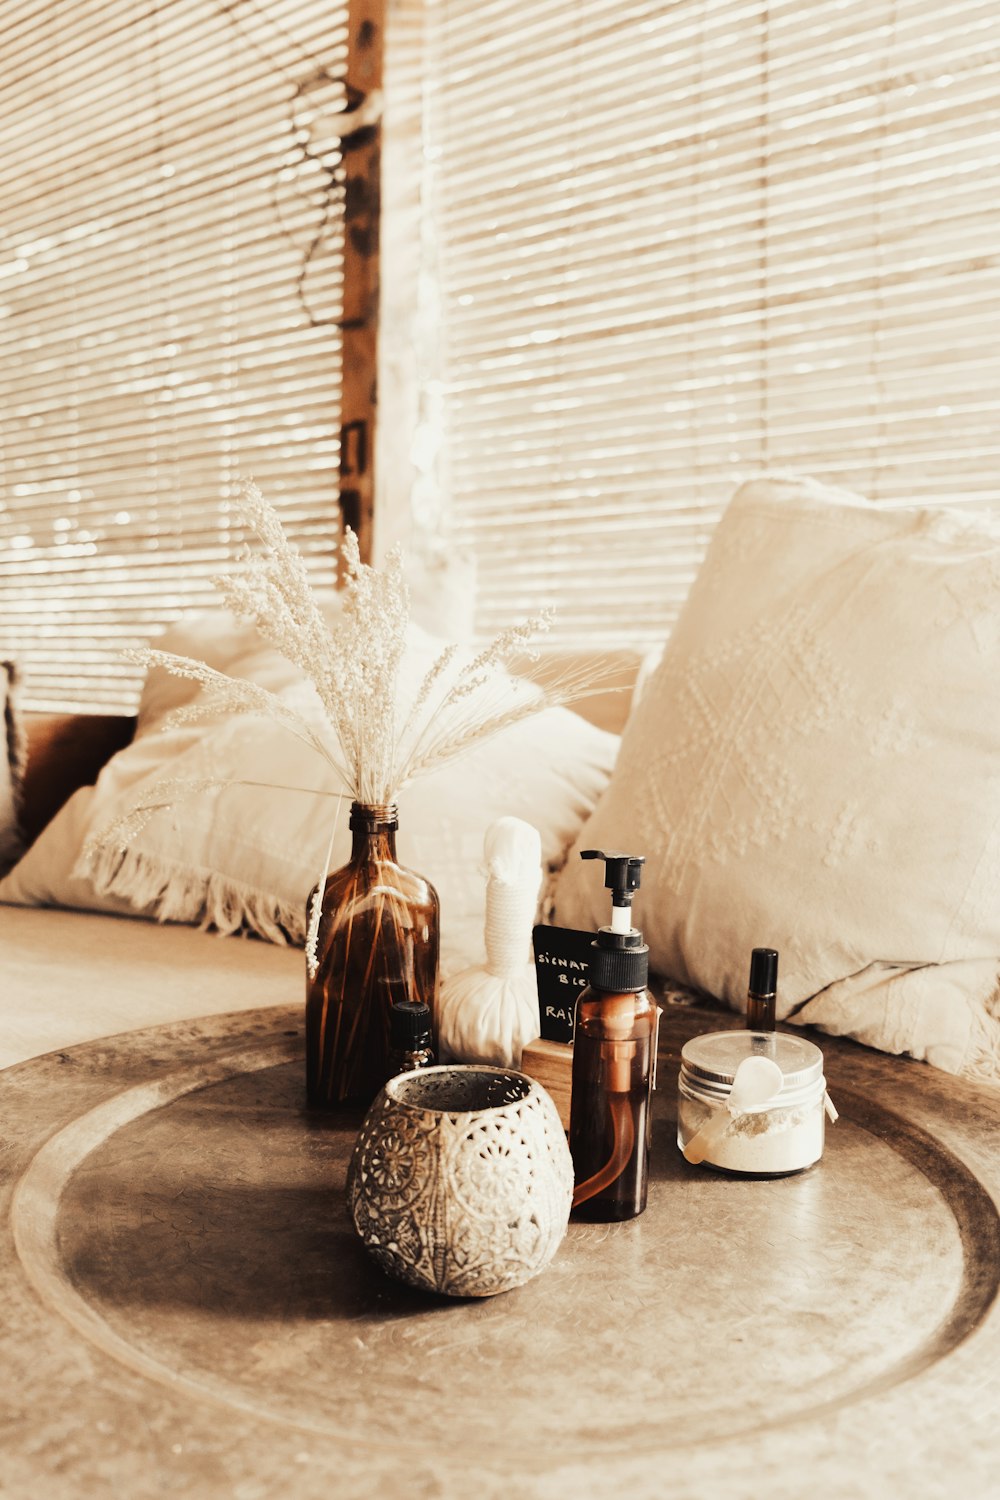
<point>815,766</point>
<point>246,856</point>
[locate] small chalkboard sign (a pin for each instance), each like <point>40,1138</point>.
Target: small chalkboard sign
<point>562,959</point>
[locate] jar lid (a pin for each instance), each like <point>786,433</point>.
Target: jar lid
<point>709,1061</point>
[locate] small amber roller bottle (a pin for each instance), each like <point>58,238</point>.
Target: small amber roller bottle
<point>411,1037</point>
<point>613,1053</point>
<point>763,990</point>
<point>411,1045</point>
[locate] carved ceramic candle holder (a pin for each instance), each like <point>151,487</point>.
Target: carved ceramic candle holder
<point>461,1180</point>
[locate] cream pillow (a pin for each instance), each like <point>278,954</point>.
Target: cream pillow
<point>815,766</point>
<point>246,856</point>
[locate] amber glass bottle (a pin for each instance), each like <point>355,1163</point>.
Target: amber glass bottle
<point>379,922</point>
<point>610,1121</point>
<point>411,1038</point>
<point>762,990</point>
<point>614,1047</point>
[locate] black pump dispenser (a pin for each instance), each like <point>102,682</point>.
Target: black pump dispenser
<point>619,959</point>
<point>614,1046</point>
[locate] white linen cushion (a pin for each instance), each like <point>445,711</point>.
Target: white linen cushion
<point>815,766</point>
<point>248,855</point>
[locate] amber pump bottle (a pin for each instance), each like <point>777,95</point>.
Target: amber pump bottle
<point>614,1046</point>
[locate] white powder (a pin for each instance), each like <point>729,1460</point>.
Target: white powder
<point>775,1140</point>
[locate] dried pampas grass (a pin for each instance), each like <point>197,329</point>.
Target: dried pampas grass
<point>374,747</point>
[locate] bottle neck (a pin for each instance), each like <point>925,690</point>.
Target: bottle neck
<point>373,830</point>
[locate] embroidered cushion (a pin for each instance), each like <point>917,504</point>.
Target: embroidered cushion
<point>815,766</point>
<point>246,855</point>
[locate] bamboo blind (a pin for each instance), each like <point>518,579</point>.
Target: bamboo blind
<point>172,262</point>
<point>681,243</point>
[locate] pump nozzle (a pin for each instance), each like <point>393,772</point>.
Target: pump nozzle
<point>619,961</point>
<point>622,874</point>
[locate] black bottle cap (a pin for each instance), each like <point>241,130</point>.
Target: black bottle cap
<point>764,971</point>
<point>619,961</point>
<point>409,1025</point>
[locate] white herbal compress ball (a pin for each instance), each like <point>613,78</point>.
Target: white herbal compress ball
<point>489,1012</point>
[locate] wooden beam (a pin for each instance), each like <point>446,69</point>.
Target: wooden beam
<point>362,149</point>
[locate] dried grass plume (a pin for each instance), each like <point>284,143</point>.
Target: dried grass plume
<point>377,733</point>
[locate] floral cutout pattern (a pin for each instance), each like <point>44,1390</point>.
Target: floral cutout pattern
<point>461,1180</point>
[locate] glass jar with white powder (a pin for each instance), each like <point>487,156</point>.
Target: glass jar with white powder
<point>771,1140</point>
